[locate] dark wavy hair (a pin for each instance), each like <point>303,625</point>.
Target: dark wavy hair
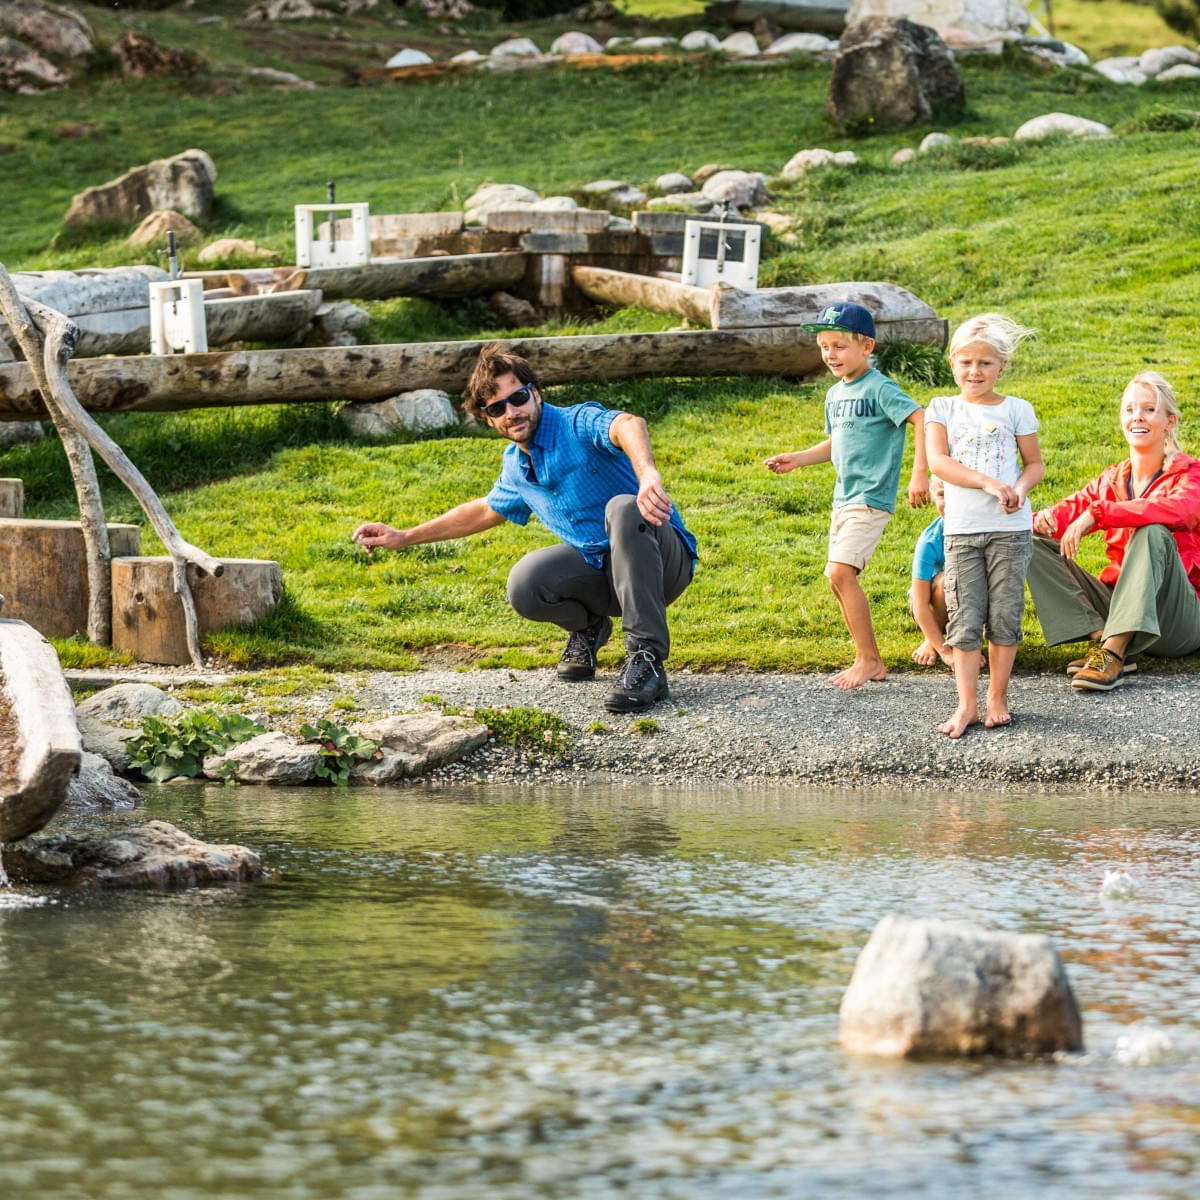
<point>494,361</point>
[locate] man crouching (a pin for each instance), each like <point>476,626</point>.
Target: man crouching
<point>588,473</point>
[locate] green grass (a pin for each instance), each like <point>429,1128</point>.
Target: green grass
<point>1092,243</point>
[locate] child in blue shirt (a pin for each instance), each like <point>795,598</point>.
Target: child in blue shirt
<point>927,595</point>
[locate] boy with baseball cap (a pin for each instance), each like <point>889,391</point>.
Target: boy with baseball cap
<point>865,418</point>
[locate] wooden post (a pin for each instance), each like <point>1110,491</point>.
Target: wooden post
<point>12,498</point>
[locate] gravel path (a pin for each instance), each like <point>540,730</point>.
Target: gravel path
<point>799,729</point>
<point>723,728</point>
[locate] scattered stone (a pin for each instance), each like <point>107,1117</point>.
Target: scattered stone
<point>281,79</point>
<point>618,43</point>
<point>512,312</point>
<point>154,855</point>
<point>128,702</point>
<point>802,43</point>
<point>340,323</point>
<point>283,10</point>
<point>575,43</point>
<point>892,73</point>
<point>557,204</point>
<point>444,10</point>
<point>1058,54</point>
<point>97,786</point>
<point>106,740</point>
<point>1049,124</point>
<point>139,56</point>
<point>157,225</point>
<point>742,189</point>
<point>497,197</point>
<point>1120,70</point>
<point>741,45</point>
<point>671,182</point>
<point>228,248</point>
<point>22,70</point>
<point>934,141</point>
<point>706,172</point>
<point>58,31</point>
<point>1161,58</point>
<point>598,10</point>
<point>416,743</point>
<point>804,161</point>
<point>698,40</point>
<point>469,56</point>
<point>409,57</point>
<point>424,410</point>
<point>650,44</point>
<point>519,47</point>
<point>16,433</point>
<point>183,183</point>
<point>1179,71</point>
<point>614,193</point>
<point>929,987</point>
<point>268,758</point>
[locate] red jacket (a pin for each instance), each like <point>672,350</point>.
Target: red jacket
<point>1173,500</point>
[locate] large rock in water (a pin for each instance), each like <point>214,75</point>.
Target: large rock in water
<point>54,30</point>
<point>927,987</point>
<point>183,183</point>
<point>959,22</point>
<point>154,855</point>
<point>892,73</point>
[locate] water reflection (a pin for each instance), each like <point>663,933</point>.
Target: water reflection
<point>592,992</point>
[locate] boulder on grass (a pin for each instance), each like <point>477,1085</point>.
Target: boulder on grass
<point>54,30</point>
<point>890,73</point>
<point>22,70</point>
<point>935,988</point>
<point>139,56</point>
<point>154,229</point>
<point>1050,124</point>
<point>183,183</point>
<point>424,410</point>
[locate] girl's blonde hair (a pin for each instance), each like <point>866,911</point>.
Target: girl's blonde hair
<point>1002,333</point>
<point>1164,394</point>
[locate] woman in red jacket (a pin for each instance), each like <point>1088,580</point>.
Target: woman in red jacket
<point>1148,508</point>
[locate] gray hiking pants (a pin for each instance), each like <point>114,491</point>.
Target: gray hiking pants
<point>648,566</point>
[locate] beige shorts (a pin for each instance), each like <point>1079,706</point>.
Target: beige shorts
<point>854,532</point>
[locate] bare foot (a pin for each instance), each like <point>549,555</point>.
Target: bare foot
<point>857,674</point>
<point>925,655</point>
<point>997,713</point>
<point>961,719</point>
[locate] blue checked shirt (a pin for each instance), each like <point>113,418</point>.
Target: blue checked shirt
<point>568,477</point>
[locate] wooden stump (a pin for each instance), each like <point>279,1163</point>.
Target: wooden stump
<point>43,572</point>
<point>148,620</point>
<point>12,498</point>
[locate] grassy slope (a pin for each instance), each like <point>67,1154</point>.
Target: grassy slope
<point>1089,243</point>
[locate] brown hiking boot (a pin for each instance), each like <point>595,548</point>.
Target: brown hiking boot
<point>1077,664</point>
<point>1103,671</point>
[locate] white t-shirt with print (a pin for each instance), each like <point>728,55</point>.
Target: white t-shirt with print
<point>984,438</point>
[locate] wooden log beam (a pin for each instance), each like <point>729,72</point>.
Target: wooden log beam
<point>899,315</point>
<point>310,376</point>
<point>624,289</point>
<point>444,276</point>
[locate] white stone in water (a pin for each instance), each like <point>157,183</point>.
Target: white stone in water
<point>801,43</point>
<point>741,45</point>
<point>408,57</point>
<point>1118,885</point>
<point>521,47</point>
<point>575,43</point>
<point>1142,1046</point>
<point>934,141</point>
<point>699,39</point>
<point>1049,124</point>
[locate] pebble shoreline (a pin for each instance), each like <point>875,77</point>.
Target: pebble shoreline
<point>738,728</point>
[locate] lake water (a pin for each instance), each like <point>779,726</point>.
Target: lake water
<point>593,992</point>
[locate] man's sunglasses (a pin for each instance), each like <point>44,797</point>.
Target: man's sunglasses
<point>517,399</point>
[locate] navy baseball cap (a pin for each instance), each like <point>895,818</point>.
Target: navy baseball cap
<point>846,316</point>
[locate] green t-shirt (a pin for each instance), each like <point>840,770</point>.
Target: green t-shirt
<point>866,421</point>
